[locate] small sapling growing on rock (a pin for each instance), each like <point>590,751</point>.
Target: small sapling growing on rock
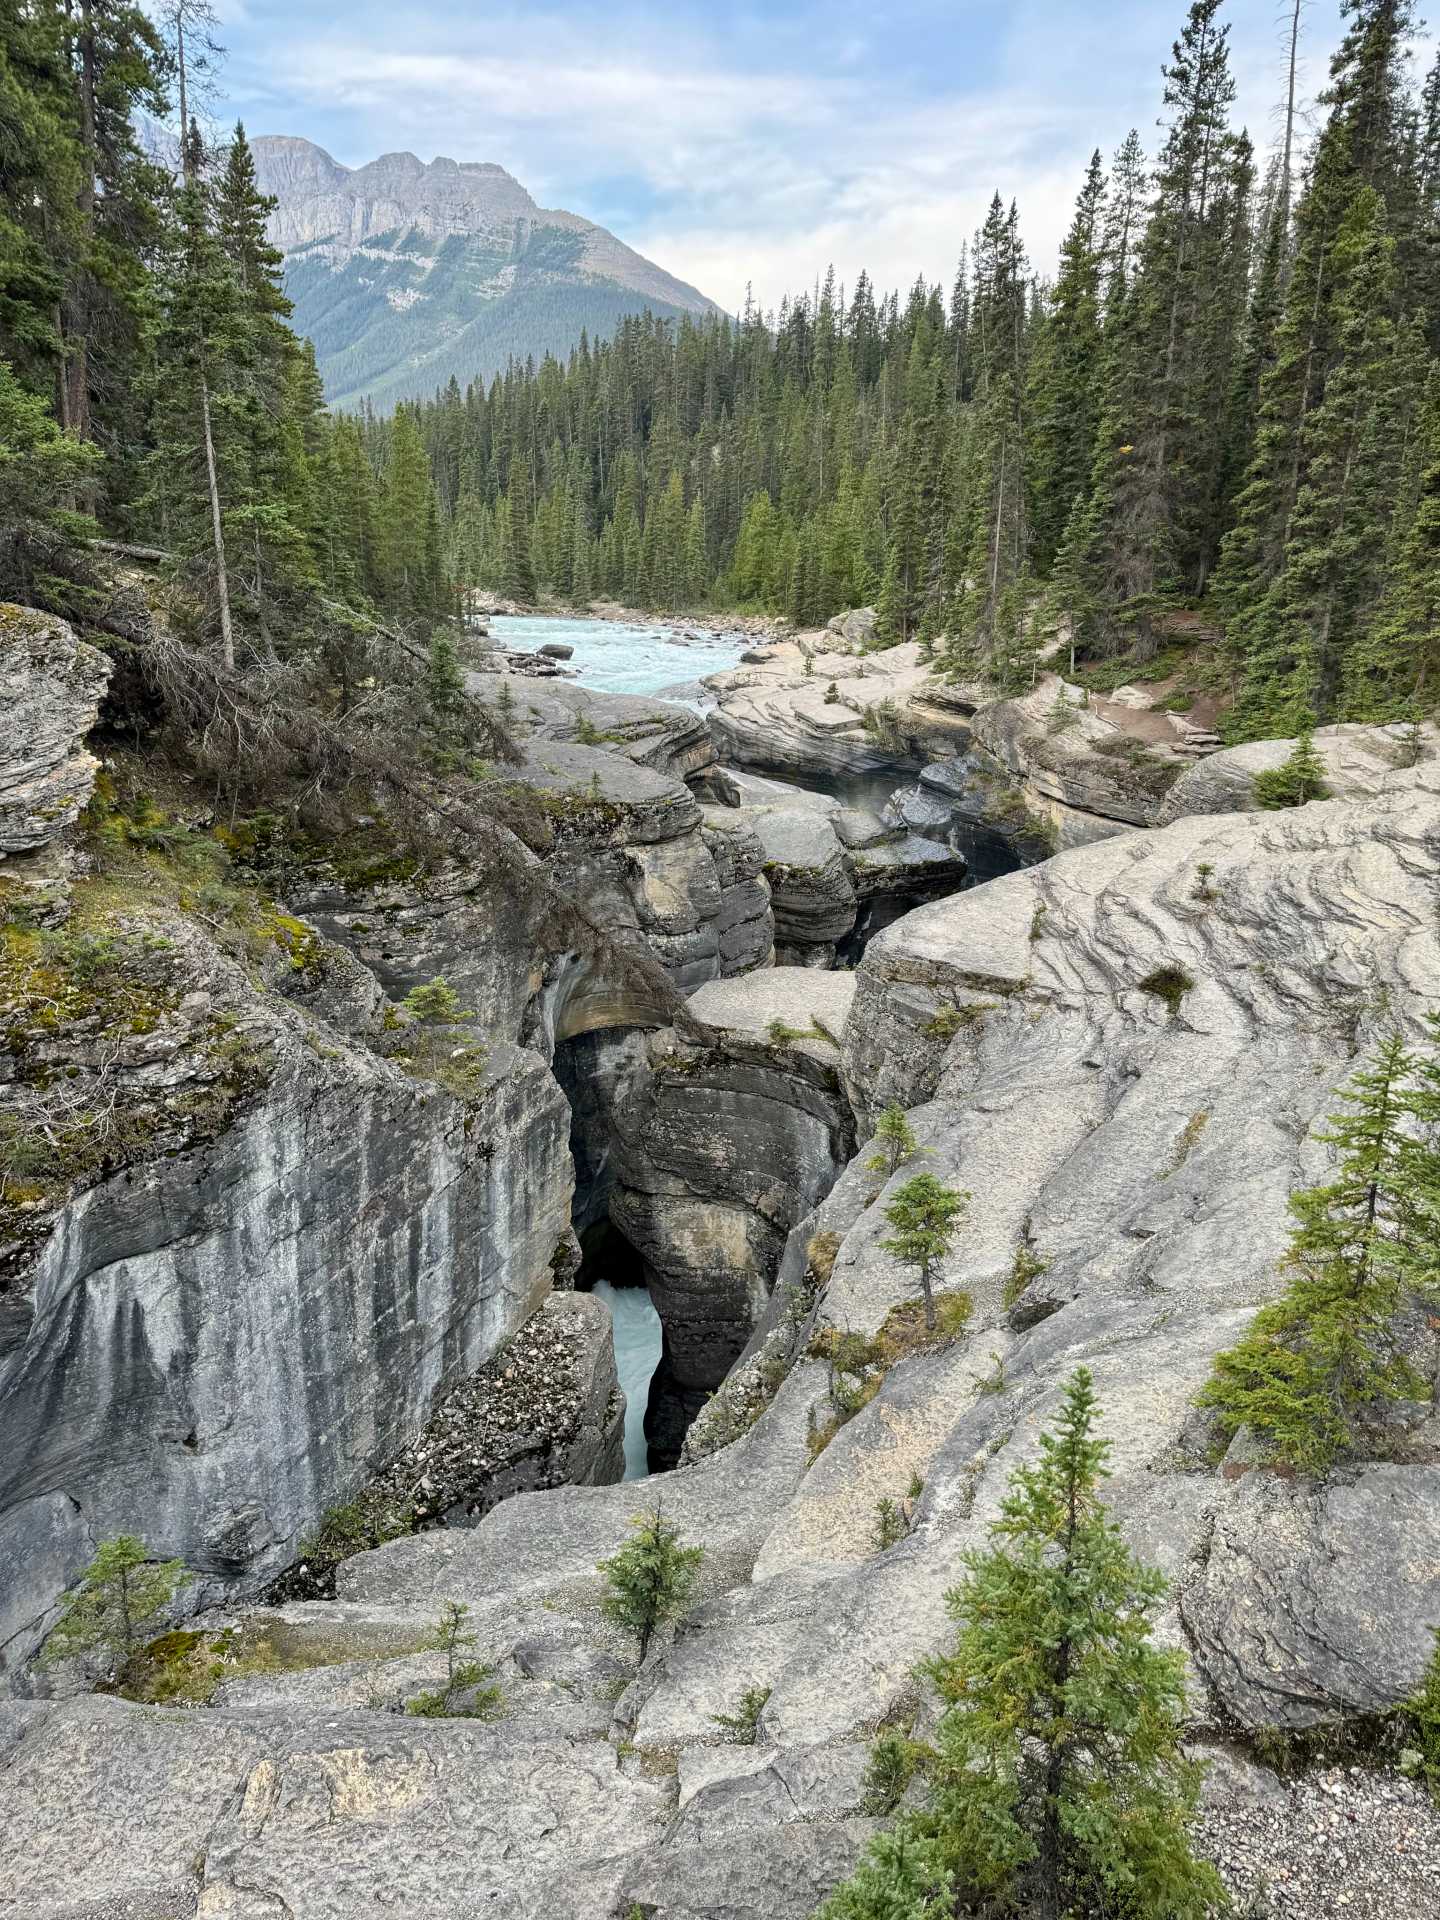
<point>894,1142</point>
<point>650,1578</point>
<point>122,1594</point>
<point>1298,780</point>
<point>741,1727</point>
<point>924,1214</point>
<point>454,1637</point>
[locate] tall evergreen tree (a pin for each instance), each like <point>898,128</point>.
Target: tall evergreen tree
<point>1064,377</point>
<point>1351,448</point>
<point>1058,1784</point>
<point>1316,1359</point>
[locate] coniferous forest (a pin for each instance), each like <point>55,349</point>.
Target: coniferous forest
<point>1225,402</point>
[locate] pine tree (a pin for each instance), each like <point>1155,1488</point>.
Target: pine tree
<point>649,1580</point>
<point>1152,516</point>
<point>1299,779</point>
<point>1058,1785</point>
<point>1061,1711</point>
<point>925,1214</point>
<point>41,469</point>
<point>454,1637</point>
<point>895,1142</point>
<point>1314,1360</point>
<point>517,561</point>
<point>406,557</point>
<point>198,467</point>
<point>1064,378</point>
<point>1358,149</point>
<point>122,1594</point>
<point>1330,577</point>
<point>1395,664</point>
<point>988,562</point>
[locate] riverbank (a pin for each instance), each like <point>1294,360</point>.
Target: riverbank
<point>753,625</point>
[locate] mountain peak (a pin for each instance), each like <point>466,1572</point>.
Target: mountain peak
<point>404,272</point>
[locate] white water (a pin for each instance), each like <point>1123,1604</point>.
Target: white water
<point>636,1330</point>
<point>614,656</point>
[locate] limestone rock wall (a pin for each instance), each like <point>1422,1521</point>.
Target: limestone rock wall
<point>734,1132</point>
<point>215,1343</point>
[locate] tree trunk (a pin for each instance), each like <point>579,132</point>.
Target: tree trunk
<point>76,374</point>
<point>222,583</point>
<point>929,1294</point>
<point>1283,212</point>
<point>184,94</point>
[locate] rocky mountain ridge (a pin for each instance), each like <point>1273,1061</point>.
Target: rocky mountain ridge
<point>404,273</point>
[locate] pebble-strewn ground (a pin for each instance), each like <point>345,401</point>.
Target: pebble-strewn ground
<point>1343,1840</point>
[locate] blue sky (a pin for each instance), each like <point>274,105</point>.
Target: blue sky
<point>734,142</point>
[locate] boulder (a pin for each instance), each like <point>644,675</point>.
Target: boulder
<point>812,893</point>
<point>556,650</point>
<point>856,827</point>
<point>1360,762</point>
<point>51,685</point>
<point>886,712</point>
<point>856,628</point>
<point>1312,1601</point>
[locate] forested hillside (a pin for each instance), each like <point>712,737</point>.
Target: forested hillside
<point>1225,402</point>
<point>151,387</point>
<point>1226,399</point>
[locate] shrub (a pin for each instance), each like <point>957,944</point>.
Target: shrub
<point>820,1255</point>
<point>740,1728</point>
<point>885,724</point>
<point>894,1762</point>
<point>1027,1265</point>
<point>892,1523</point>
<point>1425,1718</point>
<point>1170,984</point>
<point>947,1021</point>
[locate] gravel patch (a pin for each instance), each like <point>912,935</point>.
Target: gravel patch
<point>1342,1840</point>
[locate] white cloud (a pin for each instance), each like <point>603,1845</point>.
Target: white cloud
<point>726,172</point>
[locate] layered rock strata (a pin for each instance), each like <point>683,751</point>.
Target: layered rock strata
<point>1137,1146</point>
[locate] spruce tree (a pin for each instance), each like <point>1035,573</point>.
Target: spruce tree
<point>122,1595</point>
<point>455,1638</point>
<point>199,466</point>
<point>1064,376</point>
<point>1152,512</point>
<point>1330,576</point>
<point>1314,1360</point>
<point>1299,778</point>
<point>924,1214</point>
<point>1395,663</point>
<point>1057,1785</point>
<point>649,1581</point>
<point>894,1142</point>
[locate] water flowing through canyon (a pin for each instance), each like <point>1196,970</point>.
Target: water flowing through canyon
<point>637,1338</point>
